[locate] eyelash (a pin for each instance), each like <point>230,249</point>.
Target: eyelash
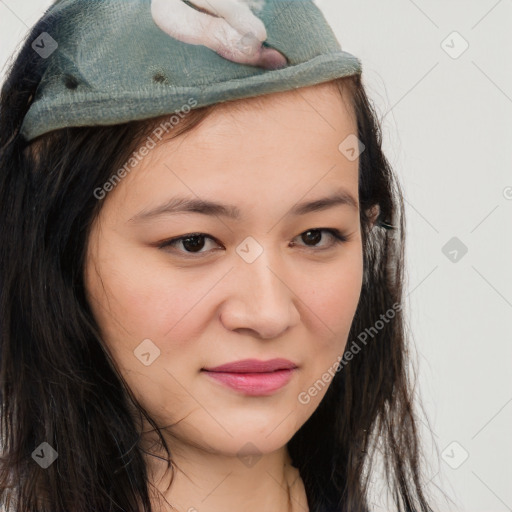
<point>339,238</point>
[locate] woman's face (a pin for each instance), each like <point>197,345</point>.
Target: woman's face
<point>255,285</point>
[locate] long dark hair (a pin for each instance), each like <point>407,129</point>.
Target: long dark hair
<point>59,384</point>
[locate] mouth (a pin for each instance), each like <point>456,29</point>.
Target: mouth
<point>254,384</point>
<point>252,377</point>
<point>254,366</point>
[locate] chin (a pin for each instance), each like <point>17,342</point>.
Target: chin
<point>247,444</point>
<point>258,432</point>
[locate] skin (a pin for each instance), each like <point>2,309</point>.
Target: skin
<point>297,300</point>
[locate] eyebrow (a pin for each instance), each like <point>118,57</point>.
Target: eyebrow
<point>205,207</point>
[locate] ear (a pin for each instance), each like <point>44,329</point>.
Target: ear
<point>373,214</point>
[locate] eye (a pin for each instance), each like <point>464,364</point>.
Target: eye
<point>193,243</point>
<point>314,236</point>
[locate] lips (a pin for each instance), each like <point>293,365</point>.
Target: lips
<point>252,377</point>
<point>253,366</point>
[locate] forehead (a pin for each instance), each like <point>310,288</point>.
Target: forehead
<point>319,104</point>
<point>320,117</point>
<point>255,148</point>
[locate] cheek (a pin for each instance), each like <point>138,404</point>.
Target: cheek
<point>332,295</point>
<point>134,301</point>
<point>142,297</point>
<point>331,300</point>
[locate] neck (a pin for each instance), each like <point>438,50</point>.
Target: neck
<point>206,481</point>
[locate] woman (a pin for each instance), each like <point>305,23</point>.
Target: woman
<point>201,307</point>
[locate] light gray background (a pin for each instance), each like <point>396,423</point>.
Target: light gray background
<point>447,127</point>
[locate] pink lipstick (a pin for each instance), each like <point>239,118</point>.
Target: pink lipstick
<point>253,377</point>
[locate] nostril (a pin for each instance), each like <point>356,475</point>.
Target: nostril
<point>71,82</point>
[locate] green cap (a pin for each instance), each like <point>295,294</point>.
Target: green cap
<point>114,61</point>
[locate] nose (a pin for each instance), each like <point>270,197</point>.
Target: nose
<point>262,302</point>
